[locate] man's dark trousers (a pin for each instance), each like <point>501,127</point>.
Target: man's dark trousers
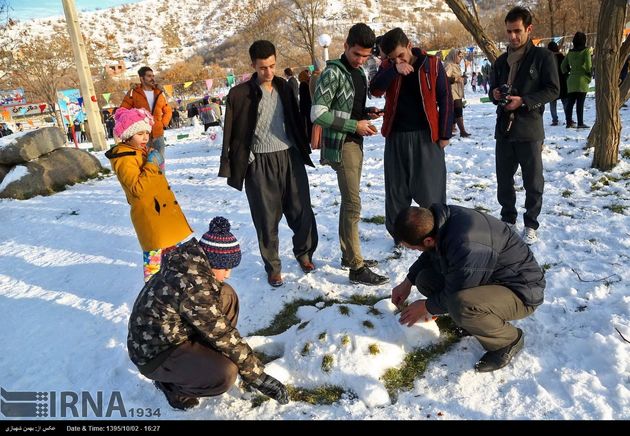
<point>527,154</point>
<point>276,183</point>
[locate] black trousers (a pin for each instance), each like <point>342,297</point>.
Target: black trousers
<point>572,98</point>
<point>276,184</point>
<point>414,170</point>
<point>527,154</point>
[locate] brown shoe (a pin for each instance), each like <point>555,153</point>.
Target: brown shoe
<point>306,265</point>
<point>275,280</point>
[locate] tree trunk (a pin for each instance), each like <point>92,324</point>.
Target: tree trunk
<point>606,131</point>
<point>552,30</point>
<point>473,26</point>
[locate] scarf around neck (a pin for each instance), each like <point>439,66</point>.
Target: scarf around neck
<point>514,59</point>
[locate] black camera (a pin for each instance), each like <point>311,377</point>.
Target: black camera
<point>505,91</point>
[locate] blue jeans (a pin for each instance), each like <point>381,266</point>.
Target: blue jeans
<point>553,105</point>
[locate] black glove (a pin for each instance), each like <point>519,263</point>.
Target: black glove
<point>272,388</point>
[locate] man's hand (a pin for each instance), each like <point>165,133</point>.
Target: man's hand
<point>415,311</point>
<point>374,112</point>
<point>272,388</point>
<point>365,128</point>
<point>515,102</point>
<point>404,68</point>
<point>443,143</point>
<point>401,292</point>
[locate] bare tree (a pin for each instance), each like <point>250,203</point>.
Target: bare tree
<point>43,67</point>
<point>460,9</point>
<point>611,54</point>
<point>304,17</point>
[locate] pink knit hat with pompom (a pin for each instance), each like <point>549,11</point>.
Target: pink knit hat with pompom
<point>131,121</point>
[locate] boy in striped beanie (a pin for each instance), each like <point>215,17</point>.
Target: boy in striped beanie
<point>221,248</point>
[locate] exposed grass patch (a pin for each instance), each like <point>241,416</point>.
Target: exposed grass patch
<point>374,349</point>
<point>415,363</point>
<point>373,311</point>
<point>616,208</point>
<point>364,300</point>
<point>480,186</point>
<point>258,399</point>
<point>326,395</point>
<point>566,193</point>
<point>287,316</point>
<point>482,209</point>
<point>322,336</point>
<point>344,310</point>
<point>265,358</point>
<point>304,324</point>
<point>378,219</point>
<point>306,349</point>
<point>327,362</point>
<point>547,266</point>
<point>625,175</point>
<point>626,153</point>
<point>368,324</point>
<point>345,340</point>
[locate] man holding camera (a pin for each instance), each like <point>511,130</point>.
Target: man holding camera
<point>523,80</point>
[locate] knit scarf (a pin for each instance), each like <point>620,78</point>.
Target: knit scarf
<point>514,61</point>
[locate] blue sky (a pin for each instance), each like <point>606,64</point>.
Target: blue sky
<point>27,9</point>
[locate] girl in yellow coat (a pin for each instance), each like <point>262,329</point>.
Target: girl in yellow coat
<point>156,216</point>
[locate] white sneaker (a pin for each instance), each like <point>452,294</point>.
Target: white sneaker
<point>529,236</point>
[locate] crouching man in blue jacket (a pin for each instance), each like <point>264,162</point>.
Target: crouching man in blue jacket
<point>475,268</point>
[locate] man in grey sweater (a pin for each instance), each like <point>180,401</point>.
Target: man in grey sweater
<point>265,146</point>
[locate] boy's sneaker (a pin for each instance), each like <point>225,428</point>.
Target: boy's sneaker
<point>366,262</point>
<point>493,360</point>
<point>397,252</point>
<point>529,236</point>
<point>365,276</point>
<point>176,401</point>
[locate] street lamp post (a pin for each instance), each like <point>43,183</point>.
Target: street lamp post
<point>324,40</point>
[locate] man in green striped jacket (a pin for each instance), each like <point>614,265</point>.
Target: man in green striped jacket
<point>339,107</point>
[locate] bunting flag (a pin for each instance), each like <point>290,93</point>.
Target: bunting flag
<point>107,96</point>
<point>6,115</point>
<point>179,101</point>
<point>187,84</point>
<point>311,68</point>
<point>42,108</point>
<point>80,100</point>
<point>557,39</point>
<point>23,111</point>
<point>168,89</point>
<point>30,122</point>
<point>230,80</point>
<point>209,84</point>
<point>444,53</point>
<point>536,41</point>
<point>432,52</point>
<point>245,77</point>
<point>626,31</point>
<point>471,49</point>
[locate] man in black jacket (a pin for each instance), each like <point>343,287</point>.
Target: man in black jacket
<point>523,80</point>
<point>474,267</point>
<point>265,146</point>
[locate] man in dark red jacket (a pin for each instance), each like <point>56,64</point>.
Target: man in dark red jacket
<point>417,125</point>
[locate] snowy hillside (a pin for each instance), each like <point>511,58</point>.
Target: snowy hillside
<point>162,32</point>
<point>70,269</point>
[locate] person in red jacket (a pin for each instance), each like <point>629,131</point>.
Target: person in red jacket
<point>416,126</point>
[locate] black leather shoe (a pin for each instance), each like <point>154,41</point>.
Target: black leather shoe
<point>493,360</point>
<point>371,263</point>
<point>365,276</point>
<point>176,401</point>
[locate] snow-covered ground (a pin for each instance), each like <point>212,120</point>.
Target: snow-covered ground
<point>70,268</point>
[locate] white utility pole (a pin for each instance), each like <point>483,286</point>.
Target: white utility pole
<point>95,125</point>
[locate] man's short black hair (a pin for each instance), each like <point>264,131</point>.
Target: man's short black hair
<point>360,34</point>
<point>142,71</point>
<point>392,39</point>
<point>519,13</point>
<point>261,49</point>
<point>288,71</point>
<point>413,224</point>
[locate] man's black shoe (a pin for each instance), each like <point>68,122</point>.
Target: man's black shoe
<point>493,360</point>
<point>176,401</point>
<point>365,276</point>
<point>366,262</point>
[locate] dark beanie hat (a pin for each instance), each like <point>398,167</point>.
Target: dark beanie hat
<point>553,46</point>
<point>220,245</point>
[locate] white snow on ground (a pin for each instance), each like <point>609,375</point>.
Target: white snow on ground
<point>16,173</point>
<point>70,268</point>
